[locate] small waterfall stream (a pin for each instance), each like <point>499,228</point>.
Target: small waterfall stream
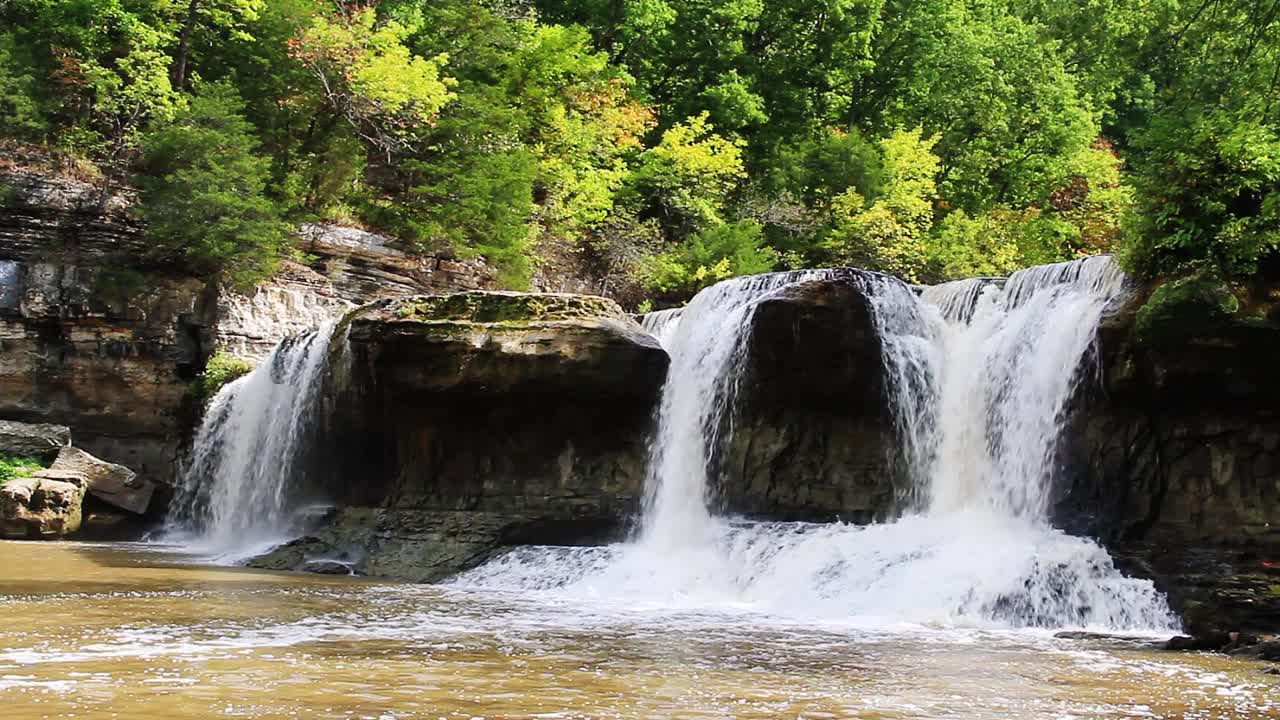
<point>243,486</point>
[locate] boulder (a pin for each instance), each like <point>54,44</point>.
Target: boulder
<point>33,440</point>
<point>114,484</point>
<point>469,422</point>
<point>812,435</point>
<point>44,506</point>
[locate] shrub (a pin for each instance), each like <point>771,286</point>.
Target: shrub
<point>13,467</point>
<point>221,369</point>
<point>1182,307</point>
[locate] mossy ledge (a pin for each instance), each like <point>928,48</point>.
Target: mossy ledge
<point>497,307</point>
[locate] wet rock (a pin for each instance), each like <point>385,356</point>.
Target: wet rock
<point>43,506</point>
<point>812,436</point>
<point>33,440</point>
<point>114,484</point>
<point>1174,463</point>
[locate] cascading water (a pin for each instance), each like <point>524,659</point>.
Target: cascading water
<point>239,493</point>
<point>980,373</point>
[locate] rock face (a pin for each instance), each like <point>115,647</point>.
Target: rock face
<point>350,267</point>
<point>474,421</point>
<point>43,506</point>
<point>1175,464</point>
<point>812,435</point>
<point>96,337</point>
<point>33,440</point>
<point>83,341</point>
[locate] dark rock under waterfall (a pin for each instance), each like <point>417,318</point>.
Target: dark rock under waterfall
<point>470,422</point>
<point>1175,464</point>
<point>812,437</point>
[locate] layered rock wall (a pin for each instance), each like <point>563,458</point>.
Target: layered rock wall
<point>1174,462</point>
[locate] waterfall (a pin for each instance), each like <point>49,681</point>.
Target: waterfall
<point>1013,360</point>
<point>240,492</point>
<point>979,376</point>
<point>662,324</point>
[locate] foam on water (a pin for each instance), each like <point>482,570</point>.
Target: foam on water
<point>979,384</point>
<point>238,494</point>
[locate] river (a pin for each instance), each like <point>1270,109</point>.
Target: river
<point>95,631</point>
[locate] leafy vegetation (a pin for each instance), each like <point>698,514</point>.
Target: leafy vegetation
<point>221,369</point>
<point>666,144</point>
<point>12,467</point>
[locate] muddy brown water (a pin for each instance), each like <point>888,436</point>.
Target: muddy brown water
<point>129,631</point>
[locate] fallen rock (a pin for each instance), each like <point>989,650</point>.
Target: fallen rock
<point>44,506</point>
<point>33,440</point>
<point>114,484</point>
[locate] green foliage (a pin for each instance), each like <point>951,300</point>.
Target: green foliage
<point>1209,196</point>
<point>20,116</point>
<point>221,369</point>
<point>685,179</point>
<point>890,233</point>
<point>203,192</point>
<point>14,467</point>
<point>710,256</point>
<point>662,144</point>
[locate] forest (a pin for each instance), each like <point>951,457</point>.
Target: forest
<point>672,143</point>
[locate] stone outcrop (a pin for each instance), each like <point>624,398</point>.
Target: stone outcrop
<point>470,422</point>
<point>89,336</point>
<point>347,267</point>
<point>44,506</point>
<point>1175,464</point>
<point>42,441</point>
<point>116,485</point>
<point>812,434</point>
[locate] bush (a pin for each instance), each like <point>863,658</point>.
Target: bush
<point>12,467</point>
<point>710,256</point>
<point>221,369</point>
<point>1183,307</point>
<point>202,192</point>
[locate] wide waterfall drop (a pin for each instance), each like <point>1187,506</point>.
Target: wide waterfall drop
<point>241,489</point>
<point>980,375</point>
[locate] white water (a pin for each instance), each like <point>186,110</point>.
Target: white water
<point>979,377</point>
<point>239,494</point>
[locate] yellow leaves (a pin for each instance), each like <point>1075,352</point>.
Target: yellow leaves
<point>694,149</point>
<point>371,76</point>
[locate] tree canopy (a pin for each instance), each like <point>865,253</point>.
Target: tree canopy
<point>671,143</point>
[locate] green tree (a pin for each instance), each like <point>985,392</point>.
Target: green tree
<point>202,192</point>
<point>890,234</point>
<point>20,116</point>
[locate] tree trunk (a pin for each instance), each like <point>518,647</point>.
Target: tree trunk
<point>184,46</point>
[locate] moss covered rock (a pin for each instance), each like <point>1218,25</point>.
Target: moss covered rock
<point>1184,306</point>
